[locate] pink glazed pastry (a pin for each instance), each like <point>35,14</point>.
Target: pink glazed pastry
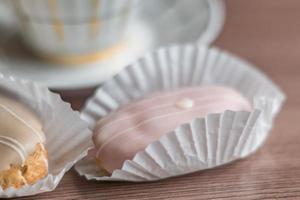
<point>122,133</point>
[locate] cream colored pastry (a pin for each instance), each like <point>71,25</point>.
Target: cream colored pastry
<point>22,152</point>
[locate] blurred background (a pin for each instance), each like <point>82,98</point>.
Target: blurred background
<point>73,45</point>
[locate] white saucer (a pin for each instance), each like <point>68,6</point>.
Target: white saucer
<point>161,23</point>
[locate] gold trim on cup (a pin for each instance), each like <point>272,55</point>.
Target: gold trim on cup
<point>72,59</point>
<point>57,25</point>
<point>94,22</point>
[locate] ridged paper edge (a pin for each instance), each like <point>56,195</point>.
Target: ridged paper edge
<point>67,136</point>
<point>163,70</point>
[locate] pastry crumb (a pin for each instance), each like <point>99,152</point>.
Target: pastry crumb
<point>34,168</point>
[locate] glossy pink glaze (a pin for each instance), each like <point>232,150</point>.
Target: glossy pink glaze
<point>121,134</point>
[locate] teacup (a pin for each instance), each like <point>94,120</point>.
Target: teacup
<point>73,31</point>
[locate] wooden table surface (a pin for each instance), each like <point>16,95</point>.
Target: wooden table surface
<point>267,33</point>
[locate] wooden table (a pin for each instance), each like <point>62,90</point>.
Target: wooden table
<point>267,33</point>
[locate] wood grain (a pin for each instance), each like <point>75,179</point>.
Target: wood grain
<point>267,33</point>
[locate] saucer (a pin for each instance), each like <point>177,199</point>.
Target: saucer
<point>153,24</point>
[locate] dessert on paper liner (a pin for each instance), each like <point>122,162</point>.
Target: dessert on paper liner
<point>63,138</point>
<point>205,142</point>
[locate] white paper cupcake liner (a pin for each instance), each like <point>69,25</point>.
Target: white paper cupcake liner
<point>67,136</point>
<point>203,143</point>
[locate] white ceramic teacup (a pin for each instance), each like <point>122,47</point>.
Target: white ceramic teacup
<point>73,31</point>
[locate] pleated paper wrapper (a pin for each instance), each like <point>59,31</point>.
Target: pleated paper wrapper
<point>204,143</point>
<point>68,138</point>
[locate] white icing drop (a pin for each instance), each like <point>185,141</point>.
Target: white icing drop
<point>184,103</point>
